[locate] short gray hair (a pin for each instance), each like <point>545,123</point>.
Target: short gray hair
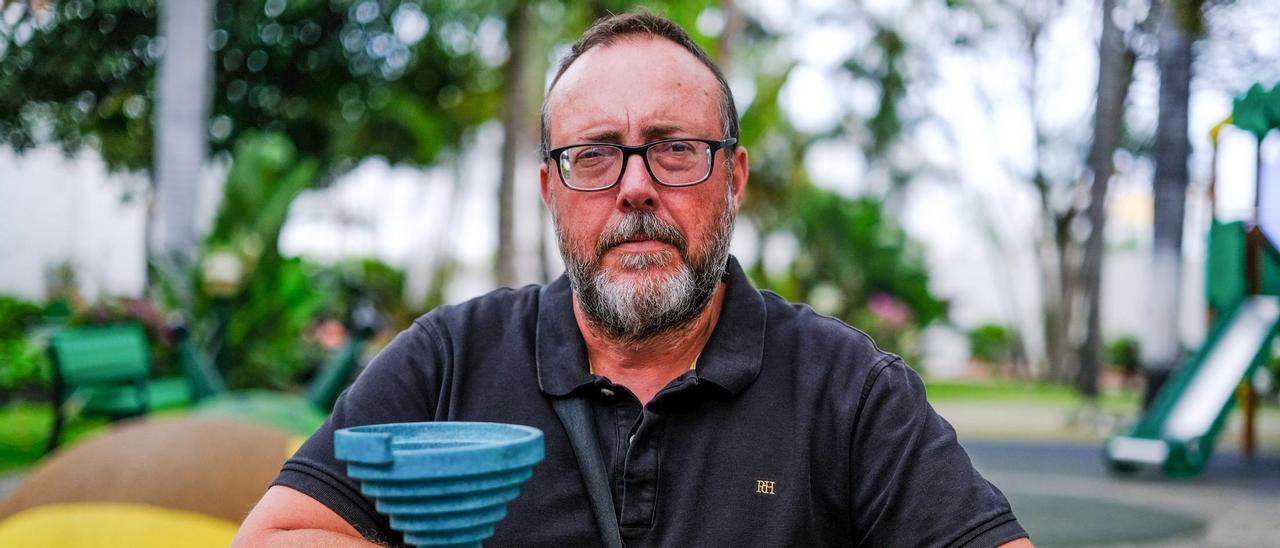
<point>608,30</point>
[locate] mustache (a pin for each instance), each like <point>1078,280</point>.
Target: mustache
<point>641,225</point>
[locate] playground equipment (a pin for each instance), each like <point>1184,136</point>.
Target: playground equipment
<point>106,371</point>
<point>290,412</point>
<point>153,480</point>
<point>168,481</point>
<point>1242,286</point>
<point>148,482</point>
<point>441,483</point>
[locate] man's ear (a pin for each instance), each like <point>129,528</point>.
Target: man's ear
<point>741,171</point>
<point>544,183</point>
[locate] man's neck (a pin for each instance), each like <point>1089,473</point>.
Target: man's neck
<point>645,367</point>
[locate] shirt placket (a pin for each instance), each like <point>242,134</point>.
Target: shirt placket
<point>640,471</point>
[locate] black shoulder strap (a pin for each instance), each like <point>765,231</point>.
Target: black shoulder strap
<point>575,413</point>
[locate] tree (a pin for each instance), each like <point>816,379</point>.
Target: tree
<point>517,123</point>
<point>1058,209</point>
<point>1179,24</point>
<point>1115,72</point>
<point>344,80</point>
<point>181,137</point>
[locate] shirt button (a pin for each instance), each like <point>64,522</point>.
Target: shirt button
<point>606,392</point>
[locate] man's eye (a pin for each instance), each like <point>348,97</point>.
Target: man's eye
<point>590,153</point>
<point>677,148</point>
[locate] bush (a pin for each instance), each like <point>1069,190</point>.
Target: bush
<point>16,316</point>
<point>856,264</point>
<point>1124,353</point>
<point>23,363</point>
<point>992,343</point>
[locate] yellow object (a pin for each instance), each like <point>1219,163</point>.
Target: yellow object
<point>111,525</point>
<point>294,443</point>
<point>1217,130</point>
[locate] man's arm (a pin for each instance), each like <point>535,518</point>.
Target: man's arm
<point>920,486</point>
<point>395,387</point>
<point>285,517</point>
<point>1023,542</point>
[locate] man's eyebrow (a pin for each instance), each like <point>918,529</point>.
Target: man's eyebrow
<point>651,133</point>
<point>603,136</point>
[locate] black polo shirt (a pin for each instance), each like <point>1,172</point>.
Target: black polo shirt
<point>793,430</point>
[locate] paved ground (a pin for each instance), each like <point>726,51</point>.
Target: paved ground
<point>8,483</point>
<point>1050,465</point>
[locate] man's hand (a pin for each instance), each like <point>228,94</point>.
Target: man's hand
<point>285,517</point>
<point>1023,542</point>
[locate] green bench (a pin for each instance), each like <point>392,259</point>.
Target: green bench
<point>105,371</point>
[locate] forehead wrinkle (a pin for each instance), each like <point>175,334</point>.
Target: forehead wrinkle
<point>578,94</point>
<point>651,132</point>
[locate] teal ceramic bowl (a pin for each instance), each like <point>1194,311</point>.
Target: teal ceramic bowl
<point>441,483</point>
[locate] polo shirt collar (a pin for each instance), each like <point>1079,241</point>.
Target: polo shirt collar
<point>730,360</point>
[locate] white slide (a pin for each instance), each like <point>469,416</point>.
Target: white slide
<point>1226,364</point>
<point>1205,396</point>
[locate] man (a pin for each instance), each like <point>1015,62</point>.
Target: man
<point>724,416</point>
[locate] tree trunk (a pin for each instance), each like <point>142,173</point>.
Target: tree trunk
<point>181,143</point>
<point>1068,269</point>
<point>1115,72</point>
<point>181,140</point>
<point>515,127</point>
<point>1160,348</point>
<point>734,24</point>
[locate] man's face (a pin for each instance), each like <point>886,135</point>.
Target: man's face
<point>643,257</point>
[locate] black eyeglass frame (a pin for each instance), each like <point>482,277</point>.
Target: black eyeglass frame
<point>642,151</point>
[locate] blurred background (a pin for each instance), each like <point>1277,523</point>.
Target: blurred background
<point>1063,213</point>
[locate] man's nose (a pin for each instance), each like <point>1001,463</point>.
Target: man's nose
<point>637,190</point>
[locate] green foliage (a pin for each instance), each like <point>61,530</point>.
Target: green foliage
<point>24,326</point>
<point>263,304</point>
<point>1123,352</point>
<point>264,344</point>
<point>343,79</point>
<point>992,343</point>
<point>858,266</point>
<point>382,284</point>
<point>852,244</point>
<point>22,360</point>
<point>267,174</point>
<point>23,364</point>
<point>16,316</point>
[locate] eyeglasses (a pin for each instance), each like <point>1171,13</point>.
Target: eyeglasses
<point>671,162</point>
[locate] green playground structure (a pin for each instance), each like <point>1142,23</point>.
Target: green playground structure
<point>106,371</point>
<point>1242,286</point>
<point>300,414</point>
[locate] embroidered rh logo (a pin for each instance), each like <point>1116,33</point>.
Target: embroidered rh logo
<point>765,487</point>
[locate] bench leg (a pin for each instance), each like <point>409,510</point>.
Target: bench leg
<point>56,432</point>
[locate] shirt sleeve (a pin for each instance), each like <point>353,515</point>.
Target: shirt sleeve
<point>913,483</point>
<point>397,386</point>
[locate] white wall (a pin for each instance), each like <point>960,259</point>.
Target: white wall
<point>55,209</point>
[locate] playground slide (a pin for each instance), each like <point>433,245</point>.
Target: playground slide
<point>1184,420</point>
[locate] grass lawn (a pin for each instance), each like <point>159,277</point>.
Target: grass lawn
<point>1032,396</point>
<point>1025,393</point>
<point>24,432</point>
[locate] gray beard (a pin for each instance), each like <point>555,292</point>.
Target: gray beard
<point>632,313</point>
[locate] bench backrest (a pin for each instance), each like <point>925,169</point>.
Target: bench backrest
<point>101,355</point>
